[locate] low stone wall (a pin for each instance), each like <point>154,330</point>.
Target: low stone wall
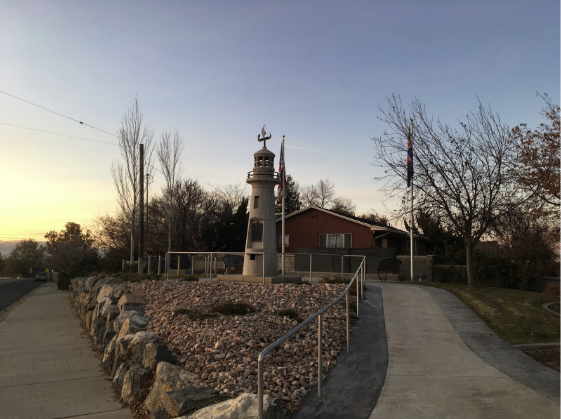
<point>140,365</point>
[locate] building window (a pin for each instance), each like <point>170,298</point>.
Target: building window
<point>256,202</point>
<point>384,243</point>
<point>335,241</point>
<point>279,240</point>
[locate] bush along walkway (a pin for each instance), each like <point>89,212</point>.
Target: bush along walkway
<point>140,365</point>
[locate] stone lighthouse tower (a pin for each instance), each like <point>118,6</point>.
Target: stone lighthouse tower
<point>261,229</point>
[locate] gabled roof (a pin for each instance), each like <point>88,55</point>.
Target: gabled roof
<point>363,221</point>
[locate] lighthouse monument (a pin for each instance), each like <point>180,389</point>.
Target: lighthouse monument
<point>261,228</point>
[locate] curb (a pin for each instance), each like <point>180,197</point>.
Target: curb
<point>6,312</point>
<point>546,306</point>
<point>537,345</point>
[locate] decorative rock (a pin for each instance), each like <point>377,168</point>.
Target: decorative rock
<point>168,378</point>
<point>135,384</point>
<point>129,322</point>
<point>98,330</point>
<point>244,406</point>
<point>131,302</point>
<point>155,352</point>
<point>180,402</point>
<point>109,310</point>
<point>111,291</point>
<point>119,376</point>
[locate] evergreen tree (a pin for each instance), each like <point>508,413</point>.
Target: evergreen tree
<point>292,201</point>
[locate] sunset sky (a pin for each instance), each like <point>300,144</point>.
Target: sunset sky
<point>314,71</point>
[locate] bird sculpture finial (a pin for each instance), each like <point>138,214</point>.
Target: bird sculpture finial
<point>263,137</point>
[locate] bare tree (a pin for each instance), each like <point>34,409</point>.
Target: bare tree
<point>319,195</point>
<point>125,173</point>
<point>461,176</point>
<point>169,153</point>
<point>343,205</point>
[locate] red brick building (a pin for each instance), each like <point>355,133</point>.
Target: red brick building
<point>315,227</point>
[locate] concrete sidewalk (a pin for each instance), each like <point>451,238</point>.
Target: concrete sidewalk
<point>433,373</point>
<point>47,367</point>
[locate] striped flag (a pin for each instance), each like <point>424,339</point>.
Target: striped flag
<point>409,158</point>
<point>282,171</point>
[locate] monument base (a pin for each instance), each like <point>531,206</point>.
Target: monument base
<point>259,279</point>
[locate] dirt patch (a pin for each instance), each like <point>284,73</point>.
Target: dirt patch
<point>547,356</point>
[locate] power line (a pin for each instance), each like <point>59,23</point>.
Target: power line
<point>56,133</point>
<point>50,110</point>
<point>324,152</point>
<point>71,136</point>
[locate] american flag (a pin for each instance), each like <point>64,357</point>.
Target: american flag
<point>409,158</point>
<point>282,172</point>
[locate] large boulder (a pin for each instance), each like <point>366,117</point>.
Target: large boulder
<point>116,353</point>
<point>112,290</point>
<point>98,330</point>
<point>90,282</point>
<point>108,309</point>
<point>130,302</point>
<point>242,407</point>
<point>119,377</point>
<point>135,385</point>
<point>154,353</point>
<point>164,395</point>
<point>129,322</point>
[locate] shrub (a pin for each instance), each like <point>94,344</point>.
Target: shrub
<point>63,281</point>
<point>452,274</point>
<point>291,314</point>
<point>551,289</point>
<point>194,315</point>
<point>189,278</point>
<point>132,277</point>
<point>233,309</point>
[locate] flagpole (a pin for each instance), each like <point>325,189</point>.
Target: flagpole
<point>283,183</point>
<point>412,252</point>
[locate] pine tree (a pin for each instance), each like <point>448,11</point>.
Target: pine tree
<point>292,201</point>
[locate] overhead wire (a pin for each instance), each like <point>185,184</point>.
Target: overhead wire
<point>58,113</point>
<point>56,133</point>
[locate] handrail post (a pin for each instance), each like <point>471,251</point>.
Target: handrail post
<point>357,297</point>
<point>342,264</point>
<point>263,267</point>
<point>260,386</point>
<point>178,263</point>
<point>361,281</point>
<point>310,267</point>
<point>210,267</point>
<point>320,362</point>
<point>348,325</point>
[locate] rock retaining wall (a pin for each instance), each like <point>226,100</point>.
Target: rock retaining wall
<point>140,365</point>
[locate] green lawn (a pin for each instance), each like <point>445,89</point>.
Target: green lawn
<point>516,316</point>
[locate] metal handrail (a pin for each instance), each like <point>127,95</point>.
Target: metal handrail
<point>251,174</point>
<point>218,253</point>
<point>261,358</point>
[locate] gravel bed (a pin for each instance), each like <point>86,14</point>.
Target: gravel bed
<point>223,349</point>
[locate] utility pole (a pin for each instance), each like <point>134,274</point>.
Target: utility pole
<point>141,215</point>
<point>147,240</point>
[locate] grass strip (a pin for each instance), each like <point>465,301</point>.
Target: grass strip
<point>516,316</point>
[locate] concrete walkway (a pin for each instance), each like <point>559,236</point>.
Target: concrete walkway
<point>47,367</point>
<point>353,386</point>
<point>433,373</point>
